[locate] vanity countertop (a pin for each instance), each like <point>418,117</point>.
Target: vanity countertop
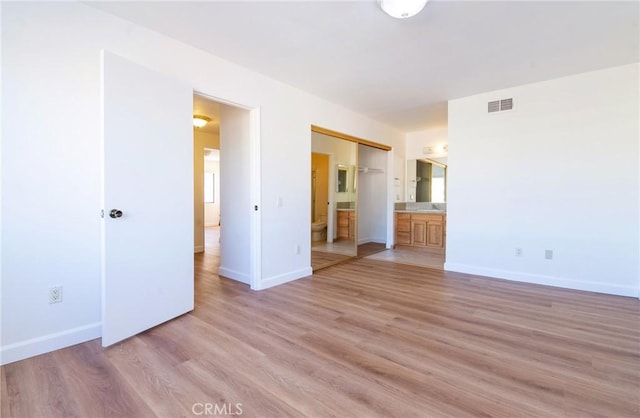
<point>345,209</point>
<point>434,211</point>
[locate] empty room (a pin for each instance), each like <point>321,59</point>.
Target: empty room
<point>422,208</point>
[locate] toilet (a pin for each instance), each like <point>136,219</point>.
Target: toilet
<point>319,229</point>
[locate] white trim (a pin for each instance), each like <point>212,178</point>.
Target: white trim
<point>285,278</point>
<point>332,221</point>
<point>563,282</point>
<point>198,248</point>
<point>378,240</point>
<point>234,275</point>
<point>255,249</point>
<point>391,198</point>
<point>51,342</point>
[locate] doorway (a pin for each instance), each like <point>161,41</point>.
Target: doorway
<point>224,161</point>
<point>212,201</point>
<point>206,170</point>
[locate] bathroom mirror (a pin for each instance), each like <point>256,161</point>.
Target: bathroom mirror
<point>427,180</point>
<point>341,185</point>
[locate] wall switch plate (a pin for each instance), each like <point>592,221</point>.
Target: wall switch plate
<point>548,254</point>
<point>55,294</point>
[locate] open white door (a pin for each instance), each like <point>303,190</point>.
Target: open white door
<point>147,252</point>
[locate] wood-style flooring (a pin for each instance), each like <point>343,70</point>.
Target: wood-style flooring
<point>324,259</point>
<point>321,259</point>
<point>414,256</point>
<point>370,248</point>
<point>365,338</point>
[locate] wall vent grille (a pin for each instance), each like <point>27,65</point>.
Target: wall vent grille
<point>500,105</point>
<point>494,106</point>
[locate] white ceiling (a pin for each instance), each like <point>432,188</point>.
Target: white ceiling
<point>401,72</point>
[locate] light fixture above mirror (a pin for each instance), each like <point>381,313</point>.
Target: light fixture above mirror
<point>438,149</point>
<point>402,9</point>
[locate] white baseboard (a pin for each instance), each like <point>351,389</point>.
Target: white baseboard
<point>284,278</point>
<point>369,239</point>
<point>47,343</point>
<point>234,275</point>
<point>515,276</point>
<point>198,249</point>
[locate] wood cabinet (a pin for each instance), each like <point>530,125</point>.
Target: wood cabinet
<point>425,230</point>
<point>418,232</point>
<point>352,225</point>
<point>346,224</point>
<point>403,228</point>
<point>435,234</point>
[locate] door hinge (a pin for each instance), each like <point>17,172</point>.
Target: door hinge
<point>102,213</point>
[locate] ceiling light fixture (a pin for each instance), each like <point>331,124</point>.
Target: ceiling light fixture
<point>200,121</point>
<point>402,9</point>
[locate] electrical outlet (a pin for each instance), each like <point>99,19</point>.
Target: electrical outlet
<point>297,249</point>
<point>548,254</point>
<point>55,294</point>
<point>518,252</point>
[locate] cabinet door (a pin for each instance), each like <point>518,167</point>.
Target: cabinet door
<point>403,229</point>
<point>352,225</point>
<point>435,234</point>
<point>343,224</point>
<point>418,232</point>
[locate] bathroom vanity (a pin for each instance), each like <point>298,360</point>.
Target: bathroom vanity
<point>425,229</point>
<point>346,224</point>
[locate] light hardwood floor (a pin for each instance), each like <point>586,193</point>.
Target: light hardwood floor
<point>412,256</point>
<point>362,339</point>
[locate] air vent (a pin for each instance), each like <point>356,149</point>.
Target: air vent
<point>500,105</point>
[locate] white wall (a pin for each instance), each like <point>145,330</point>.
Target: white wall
<point>397,171</point>
<point>559,172</point>
<point>416,141</point>
<point>372,195</point>
<point>50,223</point>
<point>212,210</point>
<point>235,207</point>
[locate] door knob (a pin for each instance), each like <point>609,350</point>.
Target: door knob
<point>115,213</point>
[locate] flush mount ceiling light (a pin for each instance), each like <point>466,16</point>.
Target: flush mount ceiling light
<point>200,121</point>
<point>402,9</point>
